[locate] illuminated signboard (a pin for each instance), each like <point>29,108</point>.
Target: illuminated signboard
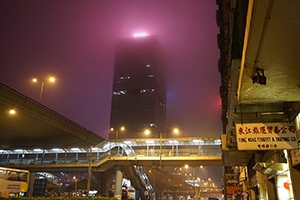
<point>266,136</point>
<point>233,190</point>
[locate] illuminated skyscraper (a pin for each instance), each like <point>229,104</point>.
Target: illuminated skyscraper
<point>139,88</point>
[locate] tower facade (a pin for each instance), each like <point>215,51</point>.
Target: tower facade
<point>139,88</point>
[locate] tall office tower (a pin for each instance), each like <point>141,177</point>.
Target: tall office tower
<point>139,88</point>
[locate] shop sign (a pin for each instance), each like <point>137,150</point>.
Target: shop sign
<point>266,136</point>
<point>232,181</point>
<point>233,190</point>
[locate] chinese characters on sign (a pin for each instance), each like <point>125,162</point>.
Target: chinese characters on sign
<point>266,136</point>
<point>13,186</point>
<point>233,190</point>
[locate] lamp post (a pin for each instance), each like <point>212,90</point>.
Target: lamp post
<point>51,79</point>
<point>122,128</point>
<point>74,177</point>
<point>160,149</point>
<point>147,132</point>
<point>175,131</point>
<point>59,189</point>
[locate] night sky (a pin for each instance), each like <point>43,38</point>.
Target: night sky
<point>75,41</point>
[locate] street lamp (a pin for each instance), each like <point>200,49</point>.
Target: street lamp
<point>59,189</point>
<point>147,132</point>
<point>175,131</point>
<point>51,79</point>
<point>74,177</point>
<point>122,128</point>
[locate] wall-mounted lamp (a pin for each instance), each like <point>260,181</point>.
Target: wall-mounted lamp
<point>259,77</point>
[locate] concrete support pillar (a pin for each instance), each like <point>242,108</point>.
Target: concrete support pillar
<point>137,194</point>
<point>104,179</point>
<point>261,180</point>
<point>118,184</point>
<point>31,184</point>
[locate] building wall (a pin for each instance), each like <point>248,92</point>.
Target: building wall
<point>231,18</point>
<point>139,88</point>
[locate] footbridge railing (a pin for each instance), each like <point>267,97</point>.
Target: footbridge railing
<point>146,148</point>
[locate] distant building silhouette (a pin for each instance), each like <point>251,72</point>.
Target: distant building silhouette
<point>139,88</point>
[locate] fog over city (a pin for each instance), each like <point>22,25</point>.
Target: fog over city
<point>75,42</point>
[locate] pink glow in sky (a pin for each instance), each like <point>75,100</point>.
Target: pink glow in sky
<point>74,41</point>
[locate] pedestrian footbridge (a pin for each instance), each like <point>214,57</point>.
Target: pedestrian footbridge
<point>142,152</point>
<point>136,156</point>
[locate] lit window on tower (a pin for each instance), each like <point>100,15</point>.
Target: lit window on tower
<point>146,90</point>
<point>120,92</point>
<point>123,78</point>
